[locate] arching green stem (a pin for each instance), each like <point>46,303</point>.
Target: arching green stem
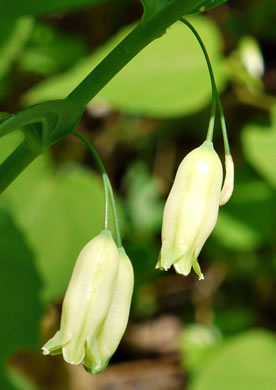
<point>107,189</point>
<point>215,95</point>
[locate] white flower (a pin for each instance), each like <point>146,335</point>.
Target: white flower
<point>87,299</point>
<point>191,210</point>
<point>115,323</point>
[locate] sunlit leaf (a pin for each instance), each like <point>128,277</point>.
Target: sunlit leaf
<point>168,78</point>
<point>244,362</point>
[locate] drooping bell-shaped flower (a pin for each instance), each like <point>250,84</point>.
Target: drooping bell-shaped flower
<point>87,300</point>
<point>191,210</point>
<point>100,350</point>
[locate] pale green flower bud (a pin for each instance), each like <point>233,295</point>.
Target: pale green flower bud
<point>251,56</point>
<point>191,210</point>
<point>115,323</point>
<point>87,299</point>
<point>228,185</point>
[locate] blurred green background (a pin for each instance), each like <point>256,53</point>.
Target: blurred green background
<point>183,334</point>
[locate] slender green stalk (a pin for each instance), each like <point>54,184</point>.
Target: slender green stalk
<point>107,189</point>
<point>20,158</point>
<point>215,95</point>
<point>115,215</point>
<point>104,175</point>
<point>138,39</point>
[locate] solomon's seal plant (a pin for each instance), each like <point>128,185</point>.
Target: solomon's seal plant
<point>97,302</point>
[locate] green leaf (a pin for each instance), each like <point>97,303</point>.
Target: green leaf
<point>206,5</point>
<point>20,286</point>
<point>197,344</point>
<point>63,213</point>
<point>259,148</point>
<point>244,362</point>
<point>168,78</point>
<point>16,8</point>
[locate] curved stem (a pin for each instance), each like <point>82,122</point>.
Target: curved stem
<point>104,175</point>
<point>215,95</point>
<point>107,189</point>
<point>115,215</point>
<point>139,38</point>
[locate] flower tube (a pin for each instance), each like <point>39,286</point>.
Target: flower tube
<point>191,210</point>
<point>115,323</point>
<point>87,299</point>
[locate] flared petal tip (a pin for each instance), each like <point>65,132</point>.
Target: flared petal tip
<point>45,351</point>
<point>161,267</point>
<point>180,270</point>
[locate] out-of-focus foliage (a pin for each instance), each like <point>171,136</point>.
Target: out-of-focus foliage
<point>207,5</point>
<point>152,7</point>
<point>16,8</point>
<point>259,142</point>
<point>245,361</point>
<point>20,286</point>
<point>13,37</point>
<point>142,124</point>
<point>172,65</point>
<point>49,51</point>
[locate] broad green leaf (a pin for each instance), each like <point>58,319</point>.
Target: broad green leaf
<point>14,9</point>
<point>259,148</point>
<point>244,362</point>
<point>20,286</point>
<point>206,5</point>
<point>168,78</point>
